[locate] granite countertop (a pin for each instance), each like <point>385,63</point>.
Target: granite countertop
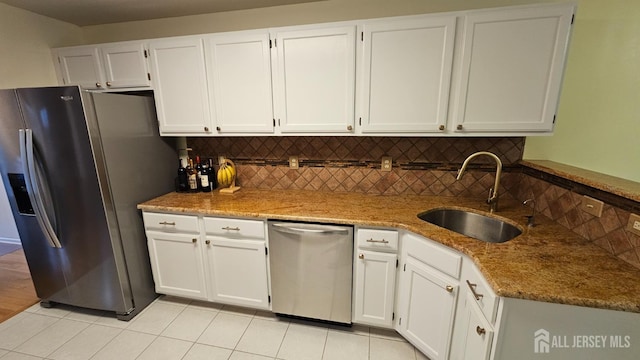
<point>546,263</point>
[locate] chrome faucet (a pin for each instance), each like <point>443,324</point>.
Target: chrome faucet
<point>493,192</point>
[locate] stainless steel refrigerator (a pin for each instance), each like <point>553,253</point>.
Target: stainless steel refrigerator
<point>75,164</point>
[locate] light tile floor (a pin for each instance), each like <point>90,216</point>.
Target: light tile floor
<point>173,328</point>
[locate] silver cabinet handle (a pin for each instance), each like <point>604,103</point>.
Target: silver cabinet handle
<point>449,288</point>
<point>208,242</point>
<point>361,256</point>
<point>231,228</point>
<point>172,223</point>
<point>33,190</point>
<point>383,241</point>
<point>194,240</point>
<point>480,331</point>
<point>473,290</point>
<point>109,83</point>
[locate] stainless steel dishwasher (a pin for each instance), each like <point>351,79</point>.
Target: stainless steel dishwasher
<point>311,270</point>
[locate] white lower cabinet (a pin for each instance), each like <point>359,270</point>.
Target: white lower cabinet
<point>375,277</point>
<point>236,261</point>
<point>426,298</point>
<point>229,266</point>
<point>238,271</point>
<point>176,255</point>
<point>477,333</point>
<point>177,264</point>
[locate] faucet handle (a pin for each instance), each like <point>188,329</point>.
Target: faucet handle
<point>530,218</point>
<point>491,196</point>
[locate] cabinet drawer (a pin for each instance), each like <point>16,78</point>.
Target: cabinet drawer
<point>435,255</point>
<point>481,292</point>
<point>170,222</point>
<point>234,227</point>
<point>380,240</point>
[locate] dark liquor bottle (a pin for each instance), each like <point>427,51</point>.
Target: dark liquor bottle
<point>183,178</point>
<point>193,177</point>
<point>198,168</point>
<point>205,184</point>
<point>212,175</point>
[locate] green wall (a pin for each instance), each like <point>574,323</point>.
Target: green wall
<point>598,122</point>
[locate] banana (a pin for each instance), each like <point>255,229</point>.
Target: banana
<point>226,173</point>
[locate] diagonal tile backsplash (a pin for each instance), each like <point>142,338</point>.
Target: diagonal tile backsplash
<point>563,206</point>
<point>420,165</point>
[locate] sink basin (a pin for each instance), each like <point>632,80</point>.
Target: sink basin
<point>474,225</point>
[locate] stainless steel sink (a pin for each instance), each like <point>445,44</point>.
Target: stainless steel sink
<point>474,225</point>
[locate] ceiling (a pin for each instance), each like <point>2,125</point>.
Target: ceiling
<point>95,12</point>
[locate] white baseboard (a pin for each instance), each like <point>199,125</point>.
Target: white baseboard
<point>10,241</point>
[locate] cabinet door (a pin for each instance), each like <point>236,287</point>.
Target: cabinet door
<point>238,269</point>
<point>176,262</point>
<point>81,66</point>
<point>427,306</point>
<point>125,65</point>
<point>315,80</point>
<point>511,69</point>
<point>375,282</point>
<point>239,67</point>
<point>478,333</point>
<point>180,83</point>
<point>405,74</point>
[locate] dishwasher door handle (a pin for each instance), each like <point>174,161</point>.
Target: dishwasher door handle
<point>296,229</point>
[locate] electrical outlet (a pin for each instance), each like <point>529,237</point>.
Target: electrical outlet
<point>293,162</point>
<point>633,226</point>
<point>387,163</point>
<point>592,206</point>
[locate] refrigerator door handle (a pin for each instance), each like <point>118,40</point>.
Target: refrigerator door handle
<point>26,154</point>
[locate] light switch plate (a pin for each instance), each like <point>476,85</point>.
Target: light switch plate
<point>633,226</point>
<point>592,206</point>
<point>387,163</point>
<point>293,162</point>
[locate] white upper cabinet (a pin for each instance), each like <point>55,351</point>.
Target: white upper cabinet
<point>511,69</point>
<point>239,69</point>
<point>103,67</point>
<point>180,82</point>
<point>125,65</point>
<point>405,74</point>
<point>315,79</point>
<point>81,66</point>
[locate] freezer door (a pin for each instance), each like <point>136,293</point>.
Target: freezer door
<point>71,193</point>
<point>45,264</point>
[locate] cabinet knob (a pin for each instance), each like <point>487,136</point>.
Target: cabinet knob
<point>194,240</point>
<point>441,127</point>
<point>218,128</point>
<point>480,331</point>
<point>108,83</point>
<point>207,242</point>
<point>449,288</point>
<point>206,128</point>
<point>98,85</point>
<point>349,127</point>
<point>459,127</point>
<point>361,256</point>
